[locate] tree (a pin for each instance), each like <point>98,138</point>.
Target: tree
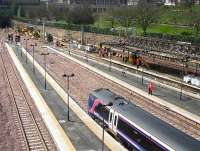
<point>124,15</point>
<point>49,38</point>
<point>80,15</point>
<point>188,4</point>
<point>5,22</point>
<point>195,21</point>
<point>5,17</point>
<point>146,14</point>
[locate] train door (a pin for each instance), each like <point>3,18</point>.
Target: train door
<point>115,121</point>
<point>111,118</point>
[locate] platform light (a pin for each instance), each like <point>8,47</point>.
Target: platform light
<point>26,47</point>
<point>33,45</point>
<point>68,76</point>
<point>45,68</point>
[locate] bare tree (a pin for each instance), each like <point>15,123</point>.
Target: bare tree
<point>124,15</point>
<point>146,14</point>
<point>84,15</point>
<point>195,21</point>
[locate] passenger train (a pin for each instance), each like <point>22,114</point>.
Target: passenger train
<point>136,128</point>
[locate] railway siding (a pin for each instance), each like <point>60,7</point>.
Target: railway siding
<point>56,131</point>
<point>174,115</point>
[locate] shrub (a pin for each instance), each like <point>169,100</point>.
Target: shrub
<point>49,38</point>
<point>184,33</point>
<point>5,22</point>
<point>36,34</point>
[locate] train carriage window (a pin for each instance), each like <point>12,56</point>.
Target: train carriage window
<point>136,136</point>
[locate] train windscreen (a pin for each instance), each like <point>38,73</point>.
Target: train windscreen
<point>102,111</point>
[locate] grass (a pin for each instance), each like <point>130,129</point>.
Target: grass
<point>172,21</point>
<point>155,28</point>
<point>171,30</point>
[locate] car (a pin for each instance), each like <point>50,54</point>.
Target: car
<point>191,79</point>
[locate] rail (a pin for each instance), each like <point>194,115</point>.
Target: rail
<point>157,77</point>
<point>23,108</point>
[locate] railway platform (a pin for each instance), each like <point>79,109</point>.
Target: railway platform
<point>79,134</point>
<point>60,138</point>
<point>167,95</point>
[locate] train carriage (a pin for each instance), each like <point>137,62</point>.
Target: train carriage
<point>136,128</point>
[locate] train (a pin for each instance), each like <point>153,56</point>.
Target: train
<point>135,128</point>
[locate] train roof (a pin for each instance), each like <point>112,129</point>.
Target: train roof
<point>166,133</point>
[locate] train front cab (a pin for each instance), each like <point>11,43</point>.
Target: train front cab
<point>110,117</point>
<point>129,135</point>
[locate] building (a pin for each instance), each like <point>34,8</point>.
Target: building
<point>132,2</point>
<point>98,2</point>
<point>18,2</point>
<point>175,2</point>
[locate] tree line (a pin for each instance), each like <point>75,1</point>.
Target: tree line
<point>144,14</point>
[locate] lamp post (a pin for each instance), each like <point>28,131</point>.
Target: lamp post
<point>184,60</point>
<point>45,68</point>
<point>123,53</point>
<point>43,29</point>
<point>17,47</point>
<point>86,55</point>
<point>68,76</point>
<point>26,48</point>
<point>110,57</point>
<point>181,81</point>
<point>142,69</point>
<point>33,45</point>
<point>103,107</point>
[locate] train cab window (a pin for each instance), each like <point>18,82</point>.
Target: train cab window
<point>102,111</point>
<point>91,100</point>
<point>137,136</point>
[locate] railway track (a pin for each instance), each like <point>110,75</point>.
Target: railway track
<point>175,119</point>
<point>194,90</point>
<point>31,131</point>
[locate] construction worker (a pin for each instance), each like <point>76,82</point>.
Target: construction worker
<point>151,87</point>
<point>138,63</point>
